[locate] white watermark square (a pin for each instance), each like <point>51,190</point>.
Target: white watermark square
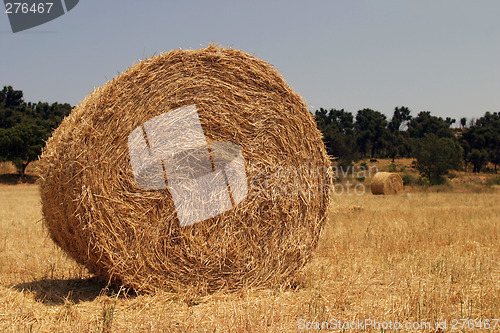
<point>171,151</point>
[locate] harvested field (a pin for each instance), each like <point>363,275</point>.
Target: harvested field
<point>417,257</point>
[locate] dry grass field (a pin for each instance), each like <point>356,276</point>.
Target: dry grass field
<point>419,257</point>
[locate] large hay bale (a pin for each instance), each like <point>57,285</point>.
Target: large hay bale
<point>386,183</point>
<point>110,209</point>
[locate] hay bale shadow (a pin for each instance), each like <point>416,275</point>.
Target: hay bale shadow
<point>60,291</point>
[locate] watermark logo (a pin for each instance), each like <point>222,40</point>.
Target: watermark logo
<point>350,179</point>
<point>26,14</point>
<point>171,151</point>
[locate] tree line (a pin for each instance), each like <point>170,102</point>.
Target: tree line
<point>24,127</point>
<point>437,146</point>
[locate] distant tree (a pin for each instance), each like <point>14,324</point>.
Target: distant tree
<point>495,154</point>
<point>338,134</point>
<point>322,119</point>
<point>466,150</point>
<point>483,138</point>
<point>24,127</point>
<point>425,123</point>
<point>491,123</point>
<point>437,156</point>
<point>478,159</point>
<point>463,122</point>
<point>450,121</point>
<point>10,97</point>
<point>398,138</point>
<point>22,143</point>
<point>400,119</point>
<point>371,131</point>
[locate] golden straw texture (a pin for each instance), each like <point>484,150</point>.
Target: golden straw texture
<point>94,210</point>
<point>386,183</point>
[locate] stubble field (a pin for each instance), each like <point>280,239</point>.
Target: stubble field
<point>409,259</point>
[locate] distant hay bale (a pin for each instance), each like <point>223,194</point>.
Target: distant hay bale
<point>139,207</point>
<point>386,183</point>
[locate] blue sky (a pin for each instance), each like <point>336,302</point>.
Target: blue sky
<point>439,56</point>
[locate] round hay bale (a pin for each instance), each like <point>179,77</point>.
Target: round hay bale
<point>386,183</point>
<point>193,170</point>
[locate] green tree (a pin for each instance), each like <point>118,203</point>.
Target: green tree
<point>371,131</point>
<point>10,97</point>
<point>483,138</point>
<point>425,123</point>
<point>22,143</point>
<point>398,135</point>
<point>478,159</point>
<point>24,127</point>
<point>338,134</point>
<point>437,156</point>
<point>495,154</point>
<point>463,122</point>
